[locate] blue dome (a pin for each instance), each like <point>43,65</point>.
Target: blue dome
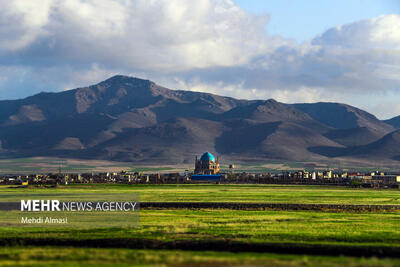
<point>207,157</point>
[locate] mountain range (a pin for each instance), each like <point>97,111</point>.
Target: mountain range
<point>131,119</point>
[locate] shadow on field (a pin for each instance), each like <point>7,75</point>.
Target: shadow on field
<point>215,245</point>
<point>269,206</point>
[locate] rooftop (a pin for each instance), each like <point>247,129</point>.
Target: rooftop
<point>207,157</point>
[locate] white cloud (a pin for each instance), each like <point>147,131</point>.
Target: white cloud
<point>382,32</point>
<point>302,95</point>
<point>343,63</point>
<point>21,22</point>
<point>206,45</point>
<point>149,35</point>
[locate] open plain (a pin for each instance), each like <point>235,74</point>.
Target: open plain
<point>225,236</point>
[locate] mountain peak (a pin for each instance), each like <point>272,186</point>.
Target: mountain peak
<point>342,116</point>
<point>271,100</point>
<point>124,79</point>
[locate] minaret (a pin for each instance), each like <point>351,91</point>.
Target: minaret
<point>195,165</point>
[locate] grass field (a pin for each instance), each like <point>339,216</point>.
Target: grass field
<point>377,229</point>
<point>50,256</point>
<point>224,193</point>
<point>172,237</point>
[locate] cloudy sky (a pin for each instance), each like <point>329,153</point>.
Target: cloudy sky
<point>290,50</point>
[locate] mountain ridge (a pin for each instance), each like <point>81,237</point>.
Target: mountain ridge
<point>131,119</point>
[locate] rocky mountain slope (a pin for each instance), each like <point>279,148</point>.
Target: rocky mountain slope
<point>130,119</point>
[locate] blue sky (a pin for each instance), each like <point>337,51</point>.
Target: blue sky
<point>304,19</point>
<point>292,51</point>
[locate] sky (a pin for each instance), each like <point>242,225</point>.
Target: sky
<point>303,20</point>
<point>293,51</point>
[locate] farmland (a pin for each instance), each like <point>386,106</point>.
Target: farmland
<point>172,236</point>
<point>53,256</point>
<point>224,193</point>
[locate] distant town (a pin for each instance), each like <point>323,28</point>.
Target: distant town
<point>207,170</point>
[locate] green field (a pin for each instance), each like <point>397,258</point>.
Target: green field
<point>66,256</point>
<point>172,236</point>
<point>378,229</point>
<point>226,193</point>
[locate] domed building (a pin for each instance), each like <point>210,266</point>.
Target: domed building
<point>206,164</point>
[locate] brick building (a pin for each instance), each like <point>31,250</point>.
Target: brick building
<point>207,164</point>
